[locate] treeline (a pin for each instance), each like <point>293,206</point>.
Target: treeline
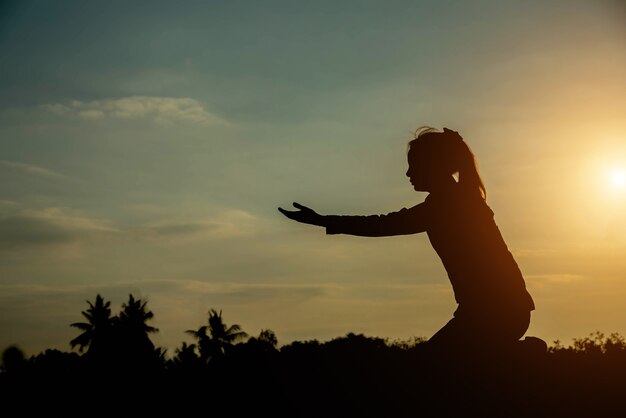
<point>115,366</point>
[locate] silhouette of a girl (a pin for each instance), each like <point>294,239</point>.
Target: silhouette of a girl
<point>493,303</point>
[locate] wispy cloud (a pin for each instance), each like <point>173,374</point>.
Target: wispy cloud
<point>258,292</point>
<point>34,170</point>
<point>554,278</point>
<point>48,226</point>
<point>230,223</point>
<point>158,109</point>
<point>59,226</point>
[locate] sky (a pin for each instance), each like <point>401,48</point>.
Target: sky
<point>145,148</point>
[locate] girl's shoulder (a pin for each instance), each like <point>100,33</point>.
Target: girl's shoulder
<point>459,201</point>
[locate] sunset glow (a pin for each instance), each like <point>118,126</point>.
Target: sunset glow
<point>146,149</point>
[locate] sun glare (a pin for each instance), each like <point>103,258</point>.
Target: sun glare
<point>617,179</point>
<point>605,176</point>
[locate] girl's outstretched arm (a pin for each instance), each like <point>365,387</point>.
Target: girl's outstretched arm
<point>304,215</point>
<point>402,222</point>
<point>405,221</point>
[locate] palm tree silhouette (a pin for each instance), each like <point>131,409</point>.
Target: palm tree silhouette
<point>132,331</point>
<point>97,330</point>
<point>134,316</point>
<point>220,337</point>
<point>185,358</point>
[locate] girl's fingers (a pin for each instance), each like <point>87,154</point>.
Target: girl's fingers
<point>299,206</point>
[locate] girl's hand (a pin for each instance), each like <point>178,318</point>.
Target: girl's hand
<point>304,215</point>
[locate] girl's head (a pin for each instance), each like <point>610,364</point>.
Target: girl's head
<point>435,157</point>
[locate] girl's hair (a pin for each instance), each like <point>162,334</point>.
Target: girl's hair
<point>447,153</point>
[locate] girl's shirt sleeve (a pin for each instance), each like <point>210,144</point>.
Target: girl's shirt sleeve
<point>403,222</point>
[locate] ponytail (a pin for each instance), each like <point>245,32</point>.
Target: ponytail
<point>468,173</point>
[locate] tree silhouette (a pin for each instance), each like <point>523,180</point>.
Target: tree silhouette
<point>220,337</point>
<point>133,345</point>
<point>185,359</point>
<point>185,354</point>
<point>96,335</point>
<point>13,360</point>
<point>353,375</point>
<point>269,337</point>
<point>134,316</point>
<point>203,341</point>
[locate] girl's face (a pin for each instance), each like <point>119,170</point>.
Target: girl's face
<point>417,172</point>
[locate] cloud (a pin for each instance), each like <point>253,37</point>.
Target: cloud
<point>157,109</point>
<point>33,170</point>
<point>48,226</point>
<point>180,228</point>
<point>554,278</point>
<point>231,223</point>
<point>57,226</point>
<point>257,292</point>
